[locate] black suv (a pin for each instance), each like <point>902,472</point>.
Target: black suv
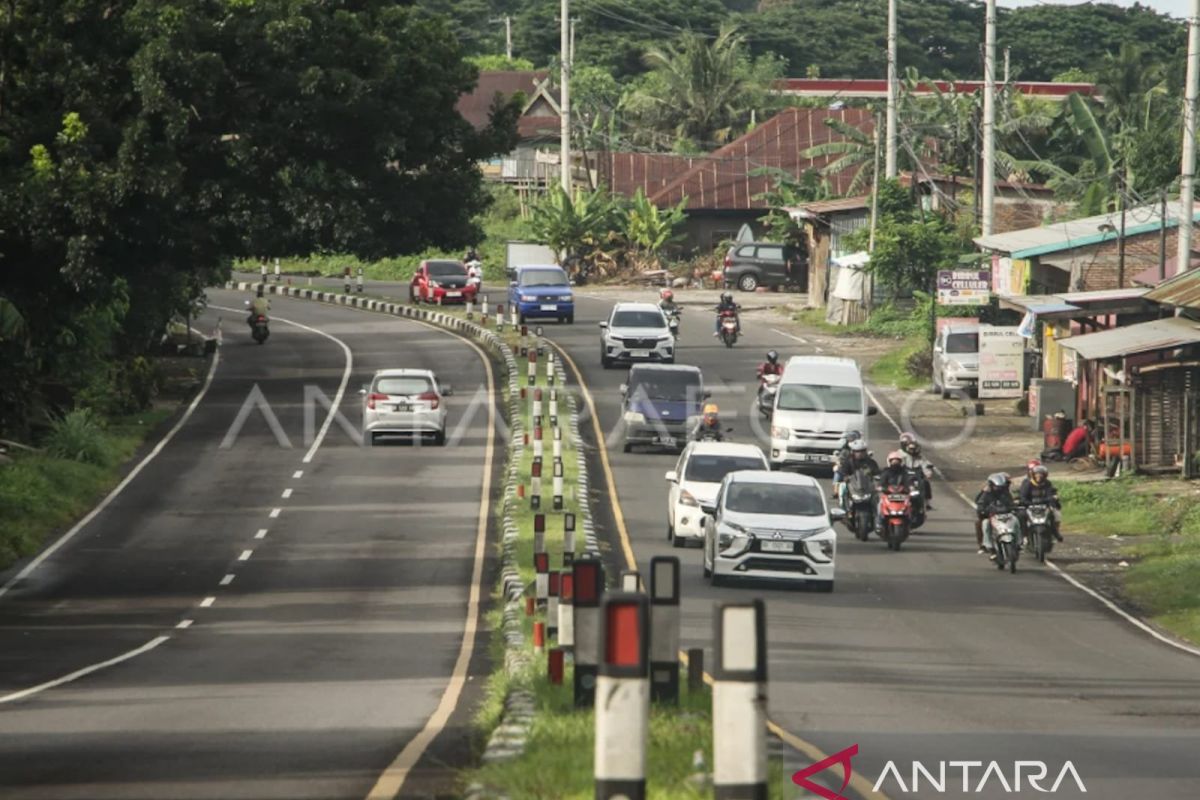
<point>749,265</point>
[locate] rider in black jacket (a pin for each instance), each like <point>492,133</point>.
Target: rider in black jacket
<point>1037,488</point>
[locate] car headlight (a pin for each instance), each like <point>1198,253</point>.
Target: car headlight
<point>779,432</point>
<point>568,298</point>
<point>688,499</point>
<point>826,546</point>
<point>634,418</point>
<point>528,298</point>
<point>734,541</point>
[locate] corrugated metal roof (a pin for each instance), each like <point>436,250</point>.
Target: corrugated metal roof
<point>625,173</point>
<point>1074,233</point>
<point>819,207</point>
<point>1102,295</point>
<point>1182,291</point>
<point>1161,334</point>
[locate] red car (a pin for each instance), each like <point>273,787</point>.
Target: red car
<point>441,282</point>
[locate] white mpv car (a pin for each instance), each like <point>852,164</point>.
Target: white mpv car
<point>404,402</point>
<point>636,332</point>
<point>695,480</point>
<point>772,526</point>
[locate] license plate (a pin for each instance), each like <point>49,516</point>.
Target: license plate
<point>816,458</point>
<point>639,353</point>
<point>403,407</point>
<point>776,547</point>
<point>453,294</point>
<point>549,307</point>
<point>667,441</point>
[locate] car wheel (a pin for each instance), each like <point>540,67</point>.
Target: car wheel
<point>605,361</point>
<point>704,561</point>
<point>748,282</point>
<point>520,319</point>
<point>439,438</point>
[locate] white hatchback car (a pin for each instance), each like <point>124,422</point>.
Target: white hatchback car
<point>695,480</point>
<point>772,526</point>
<point>404,402</point>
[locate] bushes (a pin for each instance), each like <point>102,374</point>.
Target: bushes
<point>79,436</point>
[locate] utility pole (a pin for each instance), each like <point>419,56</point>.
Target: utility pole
<point>989,119</point>
<point>870,299</point>
<point>508,37</point>
<point>1162,238</point>
<point>565,94</point>
<point>571,49</point>
<point>1007,55</point>
<point>1188,167</point>
<point>1121,235</point>
<point>891,168</point>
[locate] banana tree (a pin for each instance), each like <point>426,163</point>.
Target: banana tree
<point>574,225</point>
<point>649,229</point>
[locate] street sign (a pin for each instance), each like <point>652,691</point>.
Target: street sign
<point>959,287</point>
<point>1001,361</point>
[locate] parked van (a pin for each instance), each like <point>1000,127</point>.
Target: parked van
<point>819,399</point>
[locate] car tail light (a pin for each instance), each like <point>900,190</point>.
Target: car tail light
<point>728,261</point>
<point>373,397</point>
<point>431,397</point>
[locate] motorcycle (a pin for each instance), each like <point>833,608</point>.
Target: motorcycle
<point>1004,532</point>
<point>1039,532</point>
<point>896,508</point>
<point>475,275</point>
<point>673,322</point>
<point>858,501</point>
<point>916,491</point>
<point>767,388</point>
<point>729,328</point>
<point>259,329</point>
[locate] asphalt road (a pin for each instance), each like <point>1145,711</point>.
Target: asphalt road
<point>325,601</point>
<point>929,654</point>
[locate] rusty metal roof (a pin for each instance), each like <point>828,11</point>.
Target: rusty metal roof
<point>1161,334</point>
<point>1182,291</point>
<point>821,207</point>
<point>625,173</point>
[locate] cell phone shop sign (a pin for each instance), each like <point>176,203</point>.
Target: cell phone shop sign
<point>1001,361</point>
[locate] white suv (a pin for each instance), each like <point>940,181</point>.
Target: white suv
<point>770,525</point>
<point>404,402</point>
<point>636,332</point>
<point>695,480</point>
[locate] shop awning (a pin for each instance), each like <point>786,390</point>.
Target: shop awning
<point>1076,305</point>
<point>1144,337</point>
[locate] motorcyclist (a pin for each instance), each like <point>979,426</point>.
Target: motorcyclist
<point>259,306</point>
<point>1037,488</point>
<point>856,456</point>
<point>726,305</point>
<point>771,366</point>
<point>894,474</point>
<point>666,302</point>
<point>919,464</point>
<point>996,494</point>
<point>841,457</point>
<point>709,424</point>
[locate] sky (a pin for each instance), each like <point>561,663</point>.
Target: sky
<point>1176,8</point>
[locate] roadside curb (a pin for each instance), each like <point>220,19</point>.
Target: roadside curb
<point>508,739</point>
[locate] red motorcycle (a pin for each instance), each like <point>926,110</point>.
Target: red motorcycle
<point>729,327</point>
<point>896,509</point>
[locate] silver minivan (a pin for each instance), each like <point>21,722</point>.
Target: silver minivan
<point>956,359</point>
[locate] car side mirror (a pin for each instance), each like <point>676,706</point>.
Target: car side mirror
<point>837,514</point>
<point>872,411</point>
<point>671,476</point>
<point>447,390</point>
<point>624,389</point>
<point>603,324</point>
<point>709,510</point>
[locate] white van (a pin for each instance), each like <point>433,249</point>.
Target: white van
<point>819,399</point>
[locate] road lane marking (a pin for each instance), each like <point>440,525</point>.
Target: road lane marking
<point>1057,570</point>
<point>158,448</point>
<point>274,513</point>
<point>392,780</point>
<point>228,579</point>
<point>245,556</point>
<point>208,601</point>
<point>287,493</point>
<point>184,624</point>
<point>860,784</point>
<point>262,533</point>
<point>799,339</point>
<point>79,673</point>
<point>298,474</point>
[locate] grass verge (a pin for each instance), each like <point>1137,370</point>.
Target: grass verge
<point>41,494</point>
<point>1163,517</point>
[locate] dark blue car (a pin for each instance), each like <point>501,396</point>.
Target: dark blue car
<point>542,292</point>
<point>661,404</point>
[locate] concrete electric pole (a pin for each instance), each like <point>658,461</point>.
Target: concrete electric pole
<point>989,119</point>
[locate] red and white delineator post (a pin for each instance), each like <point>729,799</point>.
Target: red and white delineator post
<point>524,341</point>
<point>536,413</point>
<point>538,447</point>
<point>541,578</point>
<point>539,533</point>
<point>535,484</point>
<point>739,698</point>
<point>549,363</point>
<point>554,407</point>
<point>588,586</point>
<point>531,371</point>
<point>631,581</point>
<point>566,610</point>
<point>622,698</point>
<point>516,317</point>
<point>568,538</point>
<point>483,309</point>
<point>558,484</point>
<point>552,588</point>
<point>556,441</point>
<point>664,629</point>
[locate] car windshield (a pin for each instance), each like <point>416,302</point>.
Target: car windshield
<point>962,343</point>
<point>774,498</point>
<point>714,468</point>
<point>667,385</point>
<point>638,319</point>
<point>830,399</point>
<point>543,277</point>
<point>446,268</point>
<point>403,385</point>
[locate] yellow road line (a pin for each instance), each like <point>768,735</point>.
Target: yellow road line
<point>860,784</point>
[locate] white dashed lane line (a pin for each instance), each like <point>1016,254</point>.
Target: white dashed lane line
<point>245,556</point>
<point>275,512</point>
<point>228,579</point>
<point>262,533</point>
<point>208,601</point>
<point>184,624</point>
<point>287,493</point>
<point>298,474</point>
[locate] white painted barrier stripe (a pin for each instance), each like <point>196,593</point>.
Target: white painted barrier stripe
<point>79,673</point>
